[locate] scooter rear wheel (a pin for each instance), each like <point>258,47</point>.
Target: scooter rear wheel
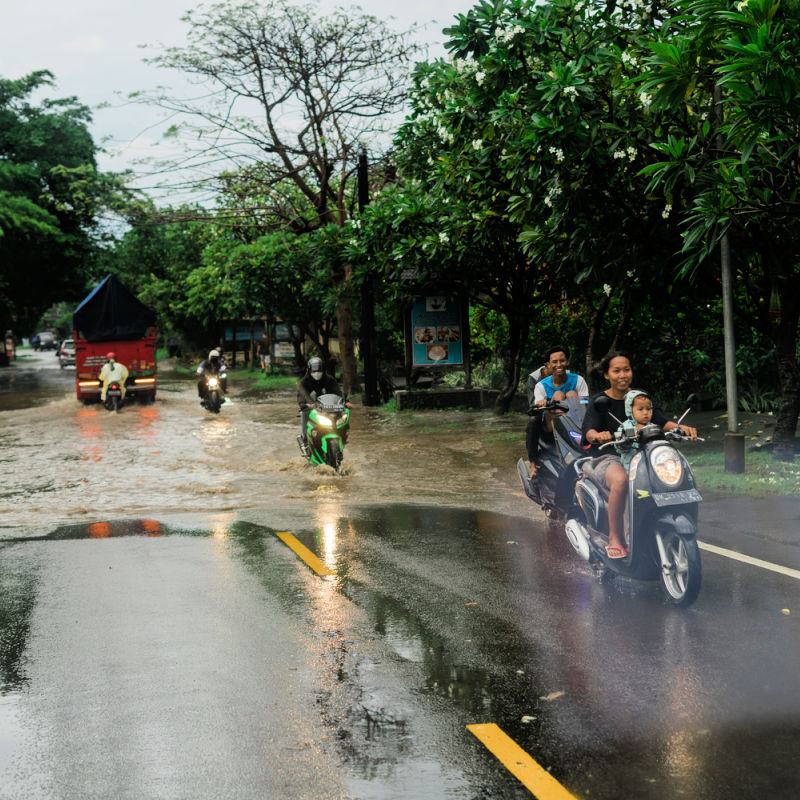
<point>683,575</point>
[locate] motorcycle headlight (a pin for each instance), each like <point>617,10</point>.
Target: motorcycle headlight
<point>667,465</point>
<point>212,383</point>
<point>323,420</point>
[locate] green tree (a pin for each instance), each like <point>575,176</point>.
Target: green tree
<point>520,164</point>
<point>738,170</point>
<point>290,96</point>
<point>50,193</point>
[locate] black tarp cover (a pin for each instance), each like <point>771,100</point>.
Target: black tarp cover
<point>110,312</point>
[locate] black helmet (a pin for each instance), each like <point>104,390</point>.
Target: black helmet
<point>315,364</point>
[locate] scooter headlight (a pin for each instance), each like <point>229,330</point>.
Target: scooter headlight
<point>323,420</point>
<point>667,465</point>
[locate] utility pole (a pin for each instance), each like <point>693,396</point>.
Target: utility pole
<point>734,441</point>
<point>368,350</point>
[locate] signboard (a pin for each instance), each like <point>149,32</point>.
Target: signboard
<point>283,350</point>
<point>436,335</point>
<point>281,333</point>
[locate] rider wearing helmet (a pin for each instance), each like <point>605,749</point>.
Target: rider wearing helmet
<point>112,371</point>
<point>312,385</point>
<point>213,365</point>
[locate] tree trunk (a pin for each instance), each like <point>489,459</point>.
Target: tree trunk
<point>788,373</point>
<point>347,352</point>
<point>517,333</point>
<point>593,356</point>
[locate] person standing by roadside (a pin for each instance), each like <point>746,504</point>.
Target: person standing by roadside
<point>265,353</point>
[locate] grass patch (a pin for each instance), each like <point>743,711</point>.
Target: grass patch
<point>391,406</point>
<point>763,476</point>
<point>262,381</point>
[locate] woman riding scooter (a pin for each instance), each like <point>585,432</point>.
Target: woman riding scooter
<point>599,428</point>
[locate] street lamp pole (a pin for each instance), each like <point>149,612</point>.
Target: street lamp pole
<point>734,441</point>
<point>368,350</point>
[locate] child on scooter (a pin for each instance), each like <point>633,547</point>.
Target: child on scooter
<point>638,413</point>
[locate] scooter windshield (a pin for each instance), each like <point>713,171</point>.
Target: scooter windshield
<point>569,424</point>
<point>330,402</point>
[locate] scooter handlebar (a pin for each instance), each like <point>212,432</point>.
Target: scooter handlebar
<point>550,405</point>
<point>677,433</point>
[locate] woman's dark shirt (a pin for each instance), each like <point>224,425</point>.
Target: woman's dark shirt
<point>603,421</point>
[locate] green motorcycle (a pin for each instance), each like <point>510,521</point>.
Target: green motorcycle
<point>326,431</point>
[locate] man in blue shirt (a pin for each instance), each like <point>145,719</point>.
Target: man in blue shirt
<point>558,385</point>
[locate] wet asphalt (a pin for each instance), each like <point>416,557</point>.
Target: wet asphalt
<point>175,647</point>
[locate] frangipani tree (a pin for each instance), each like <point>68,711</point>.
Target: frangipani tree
<point>521,158</point>
<point>739,171</point>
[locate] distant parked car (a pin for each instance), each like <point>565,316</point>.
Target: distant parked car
<point>66,353</point>
<point>45,341</point>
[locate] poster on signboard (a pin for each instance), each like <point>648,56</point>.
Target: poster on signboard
<point>436,335</point>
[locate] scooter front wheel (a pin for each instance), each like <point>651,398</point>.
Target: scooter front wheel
<point>681,570</point>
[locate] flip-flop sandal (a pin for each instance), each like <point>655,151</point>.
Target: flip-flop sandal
<point>614,552</point>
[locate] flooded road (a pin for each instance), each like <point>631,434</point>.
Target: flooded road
<point>64,461</point>
<point>157,638</point>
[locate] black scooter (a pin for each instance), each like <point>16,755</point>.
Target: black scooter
<point>214,392</point>
<point>660,517</point>
<point>554,485</point>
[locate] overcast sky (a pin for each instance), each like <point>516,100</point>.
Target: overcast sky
<point>93,47</point>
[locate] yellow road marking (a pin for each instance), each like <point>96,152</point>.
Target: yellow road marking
<point>756,562</point>
<point>304,553</point>
<point>533,777</point>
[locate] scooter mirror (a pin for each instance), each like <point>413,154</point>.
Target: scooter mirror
<point>602,403</point>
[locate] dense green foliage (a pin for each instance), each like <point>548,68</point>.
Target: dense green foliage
<point>49,195</point>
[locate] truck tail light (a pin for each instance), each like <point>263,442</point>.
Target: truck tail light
<point>144,380</point>
<point>88,384</point>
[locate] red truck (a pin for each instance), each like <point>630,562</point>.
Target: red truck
<point>111,319</point>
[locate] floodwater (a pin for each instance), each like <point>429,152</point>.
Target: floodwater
<point>66,461</point>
